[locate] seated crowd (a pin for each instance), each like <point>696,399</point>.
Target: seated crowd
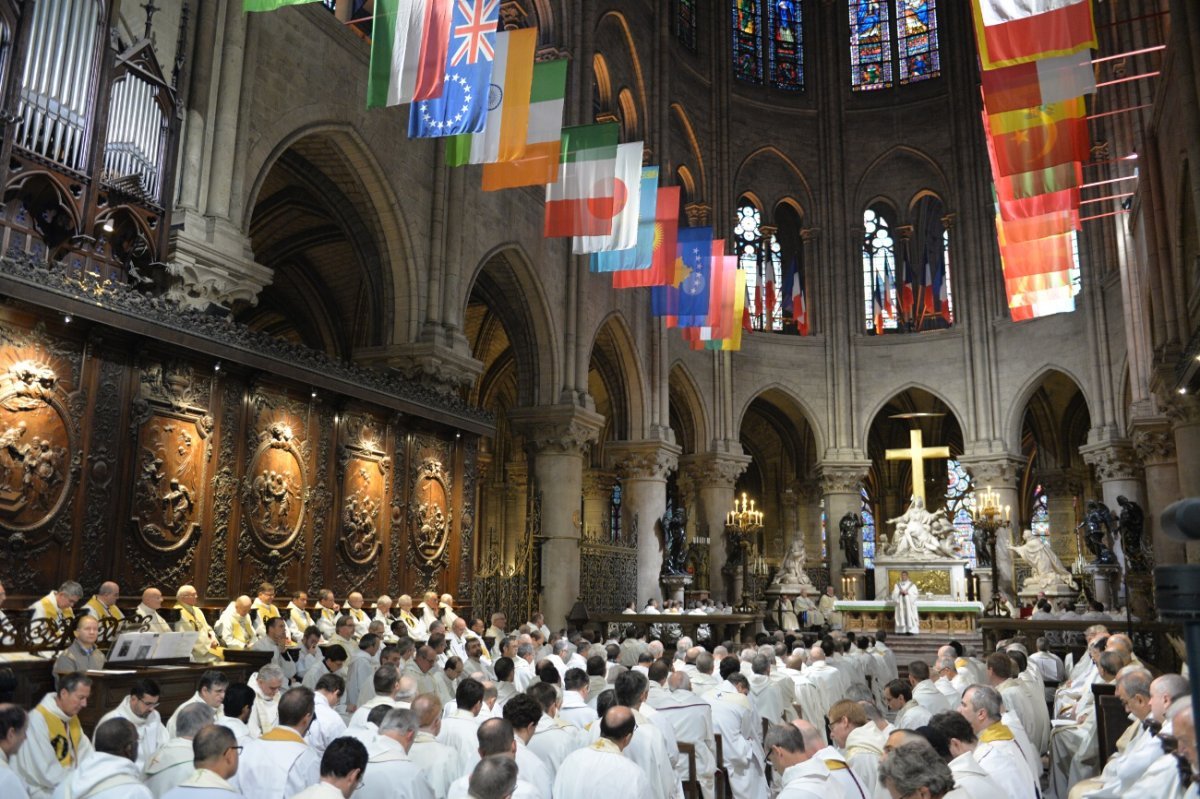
<point>417,701</point>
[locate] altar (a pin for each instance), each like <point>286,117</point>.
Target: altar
<point>937,616</point>
<point>935,578</point>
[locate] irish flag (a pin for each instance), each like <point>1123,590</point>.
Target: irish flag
<point>626,205</point>
<point>1018,31</point>
<point>583,200</point>
<point>409,41</point>
<point>539,164</point>
<point>270,5</point>
<point>503,136</point>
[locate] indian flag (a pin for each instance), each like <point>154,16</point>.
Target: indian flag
<point>409,40</point>
<point>626,205</point>
<point>539,164</point>
<point>581,202</point>
<point>503,136</point>
<point>270,5</point>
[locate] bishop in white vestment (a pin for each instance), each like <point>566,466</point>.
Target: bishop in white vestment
<point>905,594</point>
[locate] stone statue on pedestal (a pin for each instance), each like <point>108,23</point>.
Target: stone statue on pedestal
<point>851,532</point>
<point>921,535</point>
<point>1098,527</point>
<point>1048,570</point>
<point>791,577</point>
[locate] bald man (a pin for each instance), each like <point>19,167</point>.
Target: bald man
<point>148,608</point>
<point>104,604</point>
<point>602,770</point>
<point>234,627</point>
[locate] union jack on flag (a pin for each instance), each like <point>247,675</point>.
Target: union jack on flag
<point>473,44</point>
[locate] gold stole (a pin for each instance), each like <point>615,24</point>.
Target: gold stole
<point>104,613</point>
<point>64,737</point>
<point>409,619</point>
<point>358,614</point>
<point>996,732</point>
<point>328,615</point>
<point>301,619</point>
<point>238,631</point>
<point>197,620</point>
<point>53,611</point>
<point>268,612</point>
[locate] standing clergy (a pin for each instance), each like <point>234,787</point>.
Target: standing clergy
<point>216,753</point>
<point>602,770</point>
<point>139,708</point>
<point>191,619</point>
<point>802,775</point>
<point>14,723</point>
<point>172,764</point>
<point>905,595</point>
<point>281,763</point>
<point>54,743</point>
<point>393,774</point>
<point>109,770</point>
<point>104,604</point>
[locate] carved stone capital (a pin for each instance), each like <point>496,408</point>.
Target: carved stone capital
<point>842,477</point>
<point>807,490</point>
<point>644,460</point>
<point>1060,482</point>
<point>437,366</point>
<point>698,214</point>
<point>1183,410</point>
<point>598,484</point>
<point>1154,443</point>
<point>997,471</point>
<point>211,264</point>
<point>949,220</point>
<point>1112,460</point>
<point>904,232</point>
<point>768,231</point>
<point>708,470</point>
<point>562,429</point>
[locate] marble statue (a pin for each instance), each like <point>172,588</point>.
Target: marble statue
<point>1098,524</point>
<point>791,576</point>
<point>1048,570</point>
<point>851,531</point>
<point>921,535</point>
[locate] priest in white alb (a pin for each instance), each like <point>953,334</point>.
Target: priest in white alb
<point>54,739</point>
<point>139,708</point>
<point>905,594</point>
<point>602,770</point>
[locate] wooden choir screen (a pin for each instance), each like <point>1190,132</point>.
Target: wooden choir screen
<point>125,458</point>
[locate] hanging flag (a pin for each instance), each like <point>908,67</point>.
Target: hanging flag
<point>270,5</point>
<point>581,202</point>
<point>1039,181</point>
<point>462,106</point>
<point>721,321</point>
<point>641,255</point>
<point>769,318</point>
<point>1037,83</point>
<point>747,325</point>
<point>685,300</point>
<point>758,302</point>
<point>1051,136</point>
<point>1041,256</point>
<point>799,303</point>
<point>1016,31</point>
<point>1040,205</point>
<point>927,308</point>
<point>1039,227</point>
<point>734,341</point>
<point>906,284</point>
<point>887,287</point>
<point>539,164</point>
<point>662,258</point>
<point>877,305</point>
<point>409,39</point>
<point>727,337</point>
<point>503,136</point>
<point>627,195</point>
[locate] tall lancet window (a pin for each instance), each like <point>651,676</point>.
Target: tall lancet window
<point>759,256</point>
<point>747,41</point>
<point>785,45</point>
<point>917,40</point>
<point>880,303</point>
<point>683,23</point>
<point>870,45</point>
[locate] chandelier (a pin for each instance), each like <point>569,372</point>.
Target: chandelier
<point>744,518</point>
<point>990,518</point>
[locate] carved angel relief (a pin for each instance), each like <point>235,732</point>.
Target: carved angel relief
<point>364,469</point>
<point>172,470</point>
<point>274,491</point>
<point>39,456</point>
<point>429,519</point>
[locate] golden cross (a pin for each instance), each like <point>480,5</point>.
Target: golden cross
<point>917,454</point>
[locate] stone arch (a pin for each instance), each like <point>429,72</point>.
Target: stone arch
<point>908,167</point>
<point>688,412</point>
<point>683,123</point>
<point>890,395</point>
<point>614,357</point>
<point>627,50</point>
<point>785,397</point>
<point>1016,414</point>
<point>757,169</point>
<point>382,210</point>
<point>507,273</point>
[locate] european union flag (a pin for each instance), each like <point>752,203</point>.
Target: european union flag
<point>463,106</point>
<point>687,297</point>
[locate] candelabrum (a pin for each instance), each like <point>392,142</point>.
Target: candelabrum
<point>990,517</point>
<point>741,524</point>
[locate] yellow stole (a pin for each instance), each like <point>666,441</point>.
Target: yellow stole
<point>282,734</point>
<point>267,612</point>
<point>53,611</point>
<point>358,614</point>
<point>328,615</point>
<point>102,612</point>
<point>301,619</point>
<point>238,631</point>
<point>996,732</point>
<point>64,736</point>
<point>195,619</point>
<point>409,619</point>
<point>834,765</point>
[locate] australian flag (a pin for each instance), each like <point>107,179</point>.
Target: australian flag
<point>462,108</point>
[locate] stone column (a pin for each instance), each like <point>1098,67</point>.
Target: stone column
<point>1003,475</point>
<point>841,483</point>
<point>1119,473</point>
<point>1154,444</point>
<point>642,467</point>
<point>1184,415</point>
<point>714,476</point>
<point>557,438</point>
<point>597,498</point>
<point>516,503</point>
<point>808,492</point>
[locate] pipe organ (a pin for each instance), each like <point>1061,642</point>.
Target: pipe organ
<point>137,128</point>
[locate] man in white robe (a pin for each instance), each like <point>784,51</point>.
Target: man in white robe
<point>691,720</point>
<point>653,747</point>
<point>275,641</point>
<point>14,722</point>
<point>1162,779</point>
<point>172,763</point>
<point>524,712</point>
<point>58,606</point>
<point>327,724</point>
<point>460,728</point>
<point>191,619</point>
<point>924,692</point>
<point>360,671</point>
<point>1030,710</point>
<point>997,752</point>
<point>210,692</point>
<point>1137,748</point>
<point>299,620</point>
<point>149,608</point>
<point>858,740</point>
<point>602,770</point>
<point>139,708</point>
<point>577,707</point>
<point>388,686</point>
<point>327,612</point>
<point>266,684</point>
<point>393,775</point>
<point>801,774</point>
<point>553,739</point>
<point>738,724</point>
<point>104,604</point>
<point>909,714</point>
<point>905,594</point>
<point>281,763</point>
<point>970,778</point>
<point>216,760</point>
<point>264,609</point>
<point>234,627</point>
<point>826,605</point>
<point>109,770</point>
<point>950,682</point>
<point>54,740</point>
<point>840,774</point>
<point>438,762</point>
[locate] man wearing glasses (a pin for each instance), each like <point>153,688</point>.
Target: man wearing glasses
<point>140,708</point>
<point>217,755</point>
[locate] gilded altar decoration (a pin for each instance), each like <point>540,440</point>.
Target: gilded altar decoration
<point>172,428</point>
<point>931,582</point>
<point>274,490</point>
<point>364,467</point>
<point>39,458</point>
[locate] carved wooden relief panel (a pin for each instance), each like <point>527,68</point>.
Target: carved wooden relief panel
<point>364,469</point>
<point>430,516</point>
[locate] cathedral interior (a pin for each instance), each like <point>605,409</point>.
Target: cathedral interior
<point>251,331</point>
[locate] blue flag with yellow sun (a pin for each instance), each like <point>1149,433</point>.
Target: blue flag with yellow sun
<point>685,301</point>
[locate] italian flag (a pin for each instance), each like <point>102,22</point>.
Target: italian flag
<point>270,5</point>
<point>1018,31</point>
<point>539,164</point>
<point>627,204</point>
<point>409,41</point>
<point>503,136</point>
<point>582,201</point>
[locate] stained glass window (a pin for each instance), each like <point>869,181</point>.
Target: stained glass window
<point>785,45</point>
<point>960,507</point>
<point>917,39</point>
<point>870,45</point>
<point>878,266</point>
<point>614,514</point>
<point>684,23</point>
<point>747,41</point>
<point>868,529</point>
<point>1039,521</point>
<point>762,262</point>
